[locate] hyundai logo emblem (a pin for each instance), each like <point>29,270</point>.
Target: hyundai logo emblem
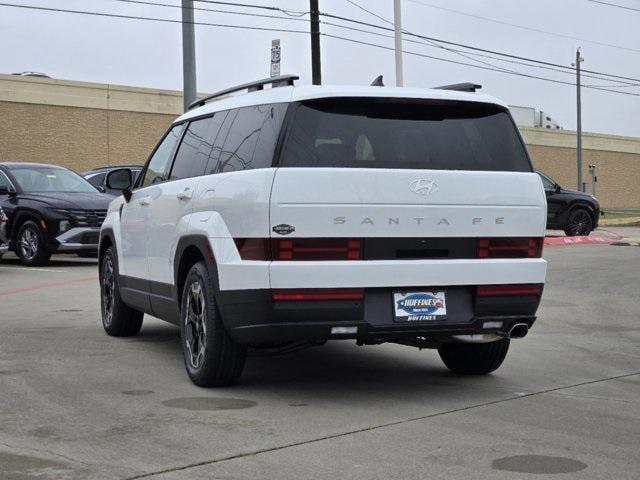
<point>423,186</point>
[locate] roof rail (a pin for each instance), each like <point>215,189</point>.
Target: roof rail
<point>278,81</point>
<point>461,87</point>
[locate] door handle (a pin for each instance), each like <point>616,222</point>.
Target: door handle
<point>187,194</point>
<point>144,201</point>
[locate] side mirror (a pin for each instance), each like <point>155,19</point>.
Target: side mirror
<point>120,179</point>
<point>7,190</point>
<point>558,188</point>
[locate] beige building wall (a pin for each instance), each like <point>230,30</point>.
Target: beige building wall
<point>77,138</point>
<point>81,125</point>
<point>84,125</point>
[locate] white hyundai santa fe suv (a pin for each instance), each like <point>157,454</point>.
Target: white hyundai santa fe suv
<point>310,213</point>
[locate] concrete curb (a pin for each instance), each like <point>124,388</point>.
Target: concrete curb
<point>559,241</point>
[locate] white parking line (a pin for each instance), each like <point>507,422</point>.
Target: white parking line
<point>33,269</point>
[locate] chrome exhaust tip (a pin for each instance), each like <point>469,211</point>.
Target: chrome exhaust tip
<point>519,330</point>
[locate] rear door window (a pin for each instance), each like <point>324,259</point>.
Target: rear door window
<point>252,139</point>
<point>412,134</point>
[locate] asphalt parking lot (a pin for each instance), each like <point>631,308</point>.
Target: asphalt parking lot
<point>77,404</point>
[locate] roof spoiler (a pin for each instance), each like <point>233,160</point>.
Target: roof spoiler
<point>278,81</point>
<point>461,87</point>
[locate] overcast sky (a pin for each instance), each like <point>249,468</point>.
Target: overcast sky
<point>145,53</point>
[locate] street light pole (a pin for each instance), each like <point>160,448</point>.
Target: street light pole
<point>577,63</point>
<point>188,54</point>
<point>397,22</point>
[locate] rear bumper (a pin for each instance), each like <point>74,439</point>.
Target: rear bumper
<point>252,317</point>
<point>77,239</point>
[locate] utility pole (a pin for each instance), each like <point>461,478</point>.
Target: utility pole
<point>397,21</point>
<point>577,63</point>
<point>316,69</point>
<point>188,54</point>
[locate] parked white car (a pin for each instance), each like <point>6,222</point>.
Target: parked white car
<point>313,213</point>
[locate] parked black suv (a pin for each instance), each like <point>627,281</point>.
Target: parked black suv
<point>4,242</point>
<point>98,177</point>
<point>576,213</point>
<point>50,209</point>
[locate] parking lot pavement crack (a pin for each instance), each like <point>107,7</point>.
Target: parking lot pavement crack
<point>374,427</point>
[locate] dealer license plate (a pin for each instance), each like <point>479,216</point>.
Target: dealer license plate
<point>419,306</point>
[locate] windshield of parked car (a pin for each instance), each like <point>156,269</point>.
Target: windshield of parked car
<point>404,133</point>
<point>36,179</point>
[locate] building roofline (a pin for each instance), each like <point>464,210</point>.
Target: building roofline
<point>71,93</point>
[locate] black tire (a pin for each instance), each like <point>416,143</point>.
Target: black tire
<point>474,358</point>
<point>31,245</point>
<point>118,318</point>
<point>212,358</point>
<point>579,222</point>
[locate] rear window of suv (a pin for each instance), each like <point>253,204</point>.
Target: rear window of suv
<point>414,134</point>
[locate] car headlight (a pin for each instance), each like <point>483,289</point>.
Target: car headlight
<point>64,225</point>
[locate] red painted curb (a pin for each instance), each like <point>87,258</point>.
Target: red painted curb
<point>48,285</point>
<point>555,241</point>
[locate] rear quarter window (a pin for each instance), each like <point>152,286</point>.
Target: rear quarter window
<point>392,133</point>
<point>251,140</point>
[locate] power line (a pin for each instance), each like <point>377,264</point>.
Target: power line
<point>522,27</point>
<point>427,43</point>
<point>262,7</point>
<point>245,27</point>
<point>623,83</point>
<point>437,45</point>
<point>214,10</point>
<point>432,43</point>
<point>470,47</point>
<point>616,5</point>
<point>520,74</point>
<point>151,19</point>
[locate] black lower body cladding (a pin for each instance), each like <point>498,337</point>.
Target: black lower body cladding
<point>251,316</point>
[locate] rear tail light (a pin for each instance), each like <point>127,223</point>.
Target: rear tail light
<point>299,248</point>
<point>317,249</point>
<point>253,248</point>
<point>510,247</point>
<point>518,290</point>
<point>314,295</point>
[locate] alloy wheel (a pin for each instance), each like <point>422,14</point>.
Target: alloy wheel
<point>108,291</point>
<point>580,223</point>
<point>28,244</point>
<point>195,325</point>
